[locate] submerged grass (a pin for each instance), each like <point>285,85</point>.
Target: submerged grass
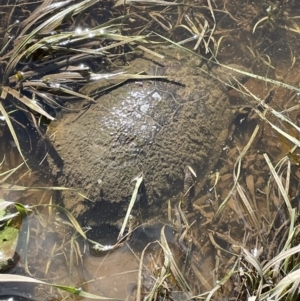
<point>69,289</point>
<point>252,274</point>
<point>45,49</point>
<point>259,278</point>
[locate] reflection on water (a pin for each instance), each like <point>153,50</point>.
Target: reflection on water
<point>205,243</point>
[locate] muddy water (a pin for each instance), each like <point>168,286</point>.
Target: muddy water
<point>57,254</point>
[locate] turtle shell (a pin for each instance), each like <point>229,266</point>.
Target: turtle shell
<point>158,127</point>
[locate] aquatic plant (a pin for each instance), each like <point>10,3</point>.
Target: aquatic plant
<point>255,191</point>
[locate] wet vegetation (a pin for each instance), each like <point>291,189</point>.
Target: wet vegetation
<point>240,238</point>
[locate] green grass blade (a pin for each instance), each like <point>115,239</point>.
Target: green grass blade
<point>279,183</point>
<point>8,173</point>
<point>237,167</point>
<point>71,218</point>
<point>50,24</point>
<point>173,266</point>
<point>70,289</point>
<point>255,263</point>
<point>11,128</point>
<point>132,201</point>
<point>281,256</point>
<point>27,102</point>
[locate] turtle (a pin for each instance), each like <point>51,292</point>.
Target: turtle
<point>156,126</point>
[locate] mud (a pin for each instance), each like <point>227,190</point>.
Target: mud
<point>157,127</point>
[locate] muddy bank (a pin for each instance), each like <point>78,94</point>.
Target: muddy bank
<point>157,127</point>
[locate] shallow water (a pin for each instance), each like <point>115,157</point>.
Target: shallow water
<point>56,253</point>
